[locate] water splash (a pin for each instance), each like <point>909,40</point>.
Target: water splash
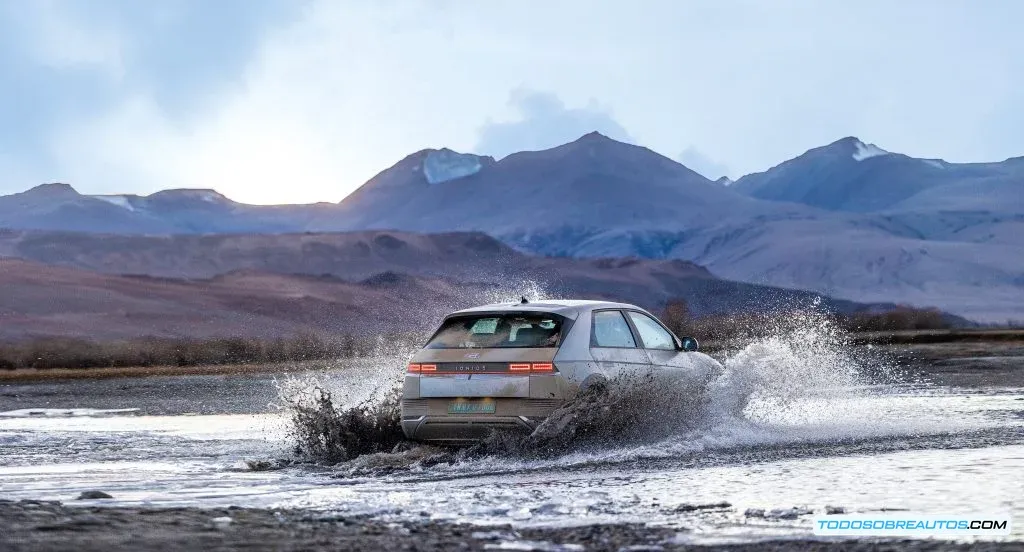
<point>323,433</point>
<point>804,355</point>
<point>339,416</point>
<point>513,292</point>
<point>803,382</point>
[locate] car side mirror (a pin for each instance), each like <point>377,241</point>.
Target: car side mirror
<point>688,344</point>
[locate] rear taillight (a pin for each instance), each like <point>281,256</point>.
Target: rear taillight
<point>531,367</point>
<point>517,367</point>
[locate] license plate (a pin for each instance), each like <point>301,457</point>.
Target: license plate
<point>471,407</point>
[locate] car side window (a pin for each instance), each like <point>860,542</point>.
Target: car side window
<point>611,330</point>
<point>651,333</point>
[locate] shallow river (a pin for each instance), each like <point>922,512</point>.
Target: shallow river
<point>796,447</point>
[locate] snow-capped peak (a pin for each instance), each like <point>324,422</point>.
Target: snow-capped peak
<point>866,151</point>
<point>444,165</point>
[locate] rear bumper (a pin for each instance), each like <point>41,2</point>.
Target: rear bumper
<point>427,419</point>
<point>461,430</point>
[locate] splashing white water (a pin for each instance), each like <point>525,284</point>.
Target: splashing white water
<point>513,292</point>
<point>803,383</point>
<point>773,377</point>
<point>808,384</point>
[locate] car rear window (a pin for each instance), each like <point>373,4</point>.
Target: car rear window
<point>499,331</point>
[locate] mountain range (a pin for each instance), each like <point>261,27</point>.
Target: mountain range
<point>277,285</point>
<point>848,219</point>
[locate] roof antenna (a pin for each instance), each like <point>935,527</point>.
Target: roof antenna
<point>524,301</point>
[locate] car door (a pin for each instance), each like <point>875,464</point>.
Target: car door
<point>613,345</point>
<point>658,343</point>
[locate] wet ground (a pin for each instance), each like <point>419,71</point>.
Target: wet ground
<point>52,526</point>
<point>793,430</point>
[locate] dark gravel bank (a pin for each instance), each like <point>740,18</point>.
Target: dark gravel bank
<point>37,526</point>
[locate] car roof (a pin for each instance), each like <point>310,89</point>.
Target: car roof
<point>570,308</point>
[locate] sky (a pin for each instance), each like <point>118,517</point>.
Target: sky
<point>296,101</point>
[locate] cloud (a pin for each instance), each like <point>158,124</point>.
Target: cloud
<point>117,97</point>
<point>287,101</point>
<point>707,167</point>
<point>545,122</point>
<point>58,39</point>
<point>327,99</point>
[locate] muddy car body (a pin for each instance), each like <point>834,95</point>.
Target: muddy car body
<point>508,366</point>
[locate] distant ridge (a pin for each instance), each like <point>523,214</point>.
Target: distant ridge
<point>848,219</point>
<point>113,287</point>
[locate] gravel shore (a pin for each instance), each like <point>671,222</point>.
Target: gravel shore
<point>37,526</point>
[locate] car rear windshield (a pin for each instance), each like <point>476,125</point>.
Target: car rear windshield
<point>499,331</point>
